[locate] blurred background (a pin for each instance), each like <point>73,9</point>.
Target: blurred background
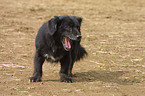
<point>113,34</point>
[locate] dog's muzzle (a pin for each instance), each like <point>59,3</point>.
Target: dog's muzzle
<point>79,37</point>
<point>66,41</point>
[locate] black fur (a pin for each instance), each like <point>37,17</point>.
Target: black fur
<point>58,40</point>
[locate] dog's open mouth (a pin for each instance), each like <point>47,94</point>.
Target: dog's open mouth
<point>66,43</point>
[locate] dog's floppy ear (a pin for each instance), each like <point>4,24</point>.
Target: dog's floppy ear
<point>79,20</point>
<point>52,25</point>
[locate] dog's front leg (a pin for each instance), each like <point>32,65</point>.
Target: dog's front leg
<point>65,72</point>
<point>38,62</point>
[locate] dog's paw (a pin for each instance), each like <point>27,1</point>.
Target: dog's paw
<point>34,79</point>
<point>65,78</point>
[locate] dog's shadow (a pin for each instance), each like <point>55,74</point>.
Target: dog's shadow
<point>104,76</point>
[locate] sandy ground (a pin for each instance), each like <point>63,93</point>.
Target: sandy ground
<point>113,34</point>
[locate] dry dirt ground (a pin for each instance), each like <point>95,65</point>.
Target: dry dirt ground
<point>113,34</point>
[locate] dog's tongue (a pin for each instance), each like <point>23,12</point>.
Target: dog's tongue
<point>67,43</point>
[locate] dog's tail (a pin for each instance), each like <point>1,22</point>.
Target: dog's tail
<point>81,53</point>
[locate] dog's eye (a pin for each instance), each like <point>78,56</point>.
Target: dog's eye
<point>68,28</point>
<point>78,27</point>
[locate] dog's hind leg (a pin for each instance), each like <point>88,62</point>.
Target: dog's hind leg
<point>38,62</point>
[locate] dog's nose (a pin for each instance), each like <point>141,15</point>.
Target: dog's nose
<point>79,37</point>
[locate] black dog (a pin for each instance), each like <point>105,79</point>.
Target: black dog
<point>58,40</point>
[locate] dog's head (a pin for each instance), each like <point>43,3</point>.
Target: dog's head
<point>68,28</point>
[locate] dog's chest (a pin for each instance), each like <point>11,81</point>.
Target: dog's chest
<point>48,57</point>
<point>54,55</point>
